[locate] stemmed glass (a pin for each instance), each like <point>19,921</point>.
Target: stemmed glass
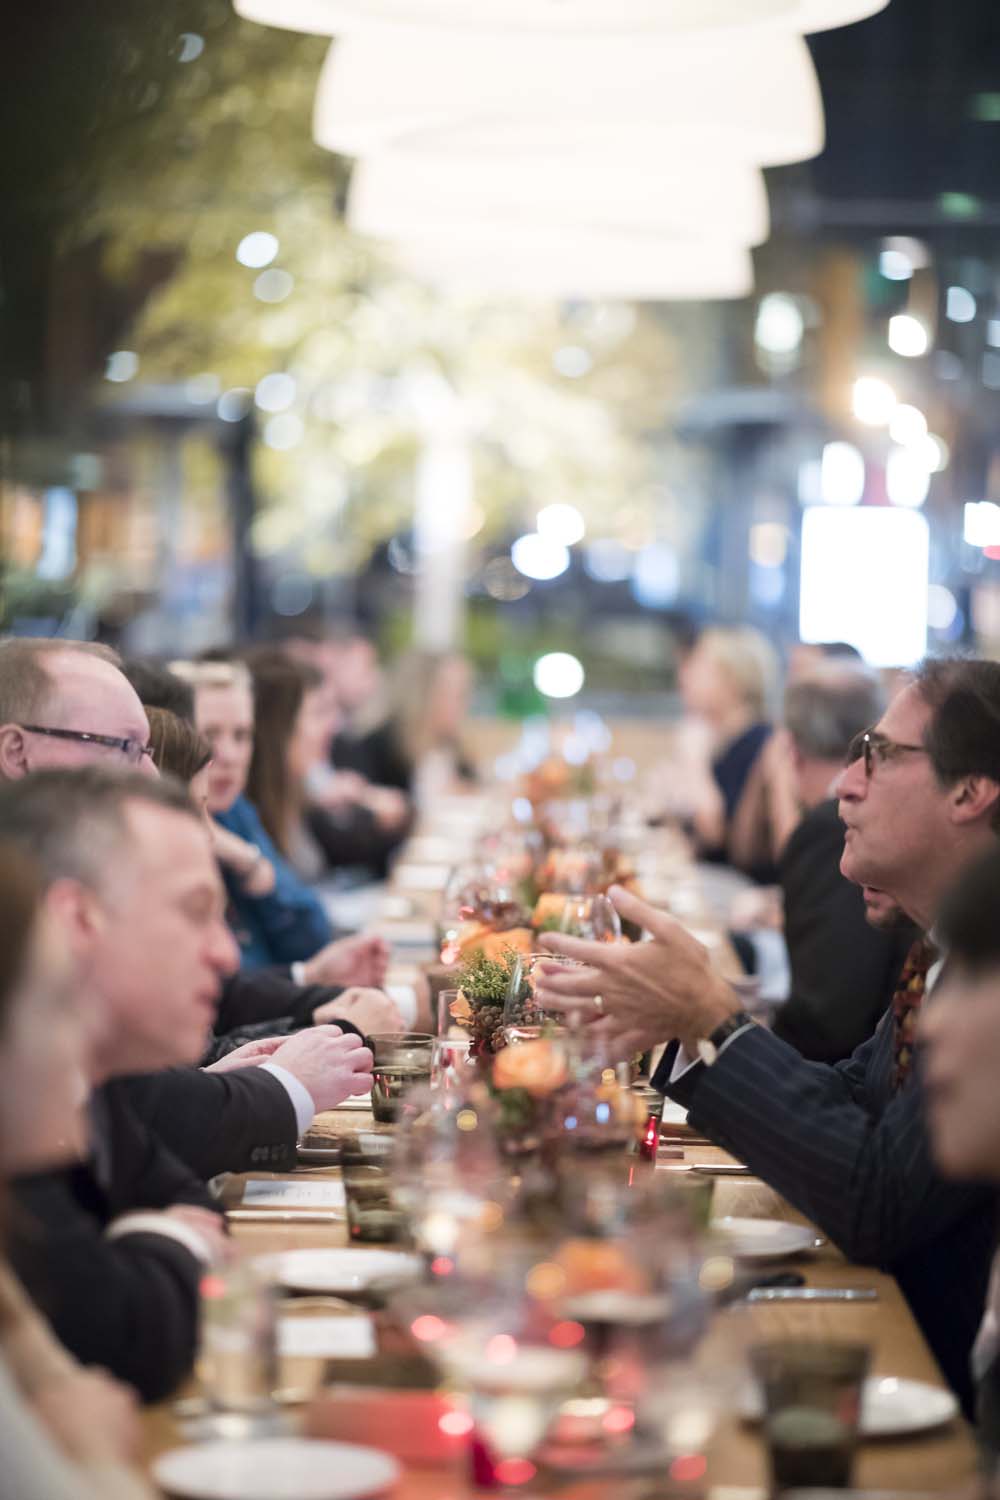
<point>523,1018</point>
<point>592,917</point>
<point>504,1352</point>
<point>446,1171</point>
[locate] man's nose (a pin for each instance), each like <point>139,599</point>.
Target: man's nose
<point>225,952</point>
<point>852,782</point>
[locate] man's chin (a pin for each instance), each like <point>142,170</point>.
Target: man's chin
<point>881,910</point>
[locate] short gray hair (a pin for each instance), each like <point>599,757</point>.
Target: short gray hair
<point>25,681</point>
<point>823,712</point>
<point>74,824</point>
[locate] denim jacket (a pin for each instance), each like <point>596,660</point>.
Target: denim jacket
<point>287,925</point>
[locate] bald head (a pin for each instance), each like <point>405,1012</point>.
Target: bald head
<point>70,688</point>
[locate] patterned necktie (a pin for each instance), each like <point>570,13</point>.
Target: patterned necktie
<point>906,1001</point>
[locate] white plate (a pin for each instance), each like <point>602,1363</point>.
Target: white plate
<point>275,1469</point>
<point>763,1239</point>
<point>889,1407</point>
<point>341,1270</point>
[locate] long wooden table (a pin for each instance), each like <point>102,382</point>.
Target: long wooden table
<point>933,1463</point>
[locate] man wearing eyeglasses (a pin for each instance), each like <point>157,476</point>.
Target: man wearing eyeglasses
<point>66,705</point>
<point>848,1144</point>
<point>78,714</point>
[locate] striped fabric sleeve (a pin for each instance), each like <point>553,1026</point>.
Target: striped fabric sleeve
<point>865,1178</point>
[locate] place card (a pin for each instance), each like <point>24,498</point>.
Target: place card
<point>340,1338</point>
<point>421,877</point>
<point>294,1194</point>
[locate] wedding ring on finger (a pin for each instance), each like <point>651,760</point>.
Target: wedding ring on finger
<point>599,1004</point>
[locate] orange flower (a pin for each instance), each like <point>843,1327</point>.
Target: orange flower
<point>598,1265</point>
<point>519,939</point>
<point>550,906</point>
<point>460,1010</point>
<point>538,1067</point>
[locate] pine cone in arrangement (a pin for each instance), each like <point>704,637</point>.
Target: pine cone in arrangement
<point>487,1020</point>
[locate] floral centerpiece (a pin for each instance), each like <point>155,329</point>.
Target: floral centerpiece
<point>526,1078</point>
<point>484,982</point>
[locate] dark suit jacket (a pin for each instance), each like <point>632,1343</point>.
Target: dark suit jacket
<point>856,1160</point>
<point>376,755</point>
<point>256,995</point>
<point>352,838</point>
<point>217,1122</point>
<point>266,1002</point>
<point>129,1304</point>
<point>843,971</point>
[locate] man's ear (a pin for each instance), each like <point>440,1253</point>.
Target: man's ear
<point>13,753</point>
<point>78,912</point>
<point>974,798</point>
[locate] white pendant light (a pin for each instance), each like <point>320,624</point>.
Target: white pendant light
<point>395,196</point>
<point>532,262</point>
<point>535,17</point>
<point>596,99</point>
<point>557,17</point>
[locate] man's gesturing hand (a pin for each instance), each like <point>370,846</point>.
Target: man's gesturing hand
<point>327,1063</point>
<point>651,992</point>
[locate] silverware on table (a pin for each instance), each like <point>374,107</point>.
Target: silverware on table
<point>285,1216</point>
<point>812,1294</point>
<point>710,1168</point>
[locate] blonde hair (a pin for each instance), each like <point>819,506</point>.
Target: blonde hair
<point>749,661</point>
<point>213,674</point>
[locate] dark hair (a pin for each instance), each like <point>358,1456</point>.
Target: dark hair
<point>967,922</point>
<point>178,749</point>
<point>280,684</point>
<point>25,681</point>
<point>840,651</point>
<point>158,687</point>
<point>825,711</point>
<point>74,823</point>
<point>963,736</point>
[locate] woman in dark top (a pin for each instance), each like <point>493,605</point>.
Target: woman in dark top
<point>727,683</point>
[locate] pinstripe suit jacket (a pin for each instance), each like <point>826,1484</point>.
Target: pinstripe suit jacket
<point>855,1158</point>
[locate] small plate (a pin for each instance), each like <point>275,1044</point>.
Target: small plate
<point>341,1270</point>
<point>889,1407</point>
<point>763,1239</point>
<point>275,1469</point>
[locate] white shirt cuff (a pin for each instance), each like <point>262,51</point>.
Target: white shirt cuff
<point>683,1063</point>
<point>302,1101</point>
<point>162,1224</point>
<point>297,973</point>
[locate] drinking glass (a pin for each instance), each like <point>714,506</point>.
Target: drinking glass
<point>401,1060</point>
<point>447,1172</point>
<point>454,1068</point>
<point>373,1212</point>
<point>447,1025</point>
<point>523,1018</point>
<point>812,1403</point>
<point>491,1339</point>
<point>592,917</point>
<point>238,1351</point>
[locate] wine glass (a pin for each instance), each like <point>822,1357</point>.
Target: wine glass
<point>592,917</point>
<point>446,1170</point>
<point>523,1018</point>
<point>504,1351</point>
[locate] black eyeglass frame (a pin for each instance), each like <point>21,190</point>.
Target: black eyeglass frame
<point>132,750</point>
<point>875,749</point>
